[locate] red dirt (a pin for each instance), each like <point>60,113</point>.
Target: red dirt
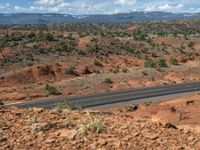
<point>83,42</point>
<point>6,52</point>
<point>36,73</point>
<point>62,129</point>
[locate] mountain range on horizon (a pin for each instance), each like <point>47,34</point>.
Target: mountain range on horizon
<point>51,18</point>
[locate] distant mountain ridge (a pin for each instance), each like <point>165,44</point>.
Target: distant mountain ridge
<point>50,18</point>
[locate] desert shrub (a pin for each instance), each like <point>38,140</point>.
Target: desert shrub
<point>162,63</point>
<point>97,63</point>
<point>173,61</point>
<point>41,51</point>
<point>144,73</point>
<point>191,44</point>
<point>161,34</point>
<point>93,124</point>
<point>65,47</point>
<point>98,72</point>
<point>82,35</point>
<point>125,70</point>
<point>149,64</point>
<point>49,37</point>
<point>2,138</point>
<point>116,69</point>
<point>29,63</point>
<point>52,90</point>
<point>94,48</point>
<point>31,35</point>
<point>71,70</point>
<point>108,81</point>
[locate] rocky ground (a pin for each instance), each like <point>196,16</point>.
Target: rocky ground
<point>172,125</point>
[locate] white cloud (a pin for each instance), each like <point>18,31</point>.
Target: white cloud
<point>180,6</point>
<point>103,6</point>
<point>48,2</point>
<point>172,8</point>
<point>3,6</point>
<point>19,8</point>
<point>165,7</point>
<point>126,2</point>
<point>150,8</point>
<point>35,8</point>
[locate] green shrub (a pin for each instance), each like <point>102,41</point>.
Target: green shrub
<point>98,72</point>
<point>52,90</point>
<point>144,73</point>
<point>125,70</point>
<point>41,51</point>
<point>97,63</point>
<point>191,44</point>
<point>71,70</point>
<point>162,63</point>
<point>150,64</point>
<point>49,37</point>
<point>94,48</point>
<point>173,61</point>
<point>2,138</point>
<point>29,63</point>
<point>93,124</point>
<point>108,81</point>
<point>116,69</point>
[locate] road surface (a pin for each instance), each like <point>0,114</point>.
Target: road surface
<point>100,99</point>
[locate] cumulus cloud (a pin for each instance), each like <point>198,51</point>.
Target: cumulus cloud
<point>150,8</point>
<point>20,9</point>
<point>126,2</point>
<point>104,6</point>
<point>172,8</point>
<point>165,7</point>
<point>48,2</point>
<point>3,6</point>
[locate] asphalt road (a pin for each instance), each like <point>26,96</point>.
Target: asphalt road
<point>100,99</point>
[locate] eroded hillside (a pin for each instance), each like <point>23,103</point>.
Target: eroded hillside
<point>77,59</point>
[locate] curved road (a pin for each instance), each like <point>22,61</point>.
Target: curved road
<point>100,99</point>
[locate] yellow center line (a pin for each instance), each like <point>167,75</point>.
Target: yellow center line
<point>116,95</point>
<point>125,94</point>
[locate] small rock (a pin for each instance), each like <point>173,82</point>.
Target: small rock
<point>102,142</point>
<point>55,111</point>
<point>191,138</point>
<point>118,144</point>
<point>127,138</point>
<point>38,110</point>
<point>170,125</point>
<point>69,134</point>
<point>1,103</point>
<point>49,141</point>
<point>132,108</point>
<point>136,134</point>
<point>152,136</point>
<point>173,109</point>
<point>189,102</point>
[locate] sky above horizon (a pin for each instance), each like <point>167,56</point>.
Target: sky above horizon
<point>84,7</point>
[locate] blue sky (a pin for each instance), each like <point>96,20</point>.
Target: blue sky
<point>77,7</point>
